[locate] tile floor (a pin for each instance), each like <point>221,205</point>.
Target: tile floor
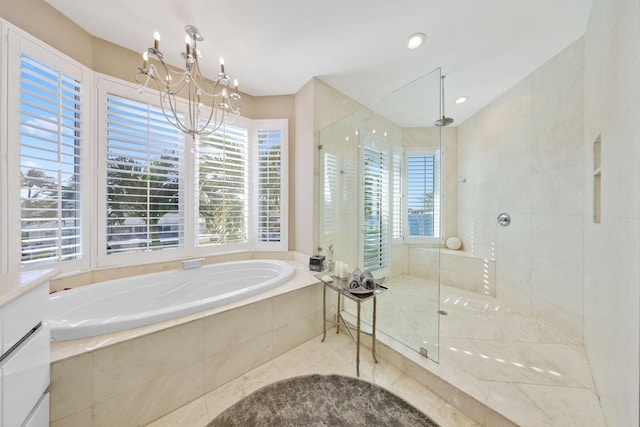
<point>529,373</point>
<point>335,356</point>
<point>512,363</point>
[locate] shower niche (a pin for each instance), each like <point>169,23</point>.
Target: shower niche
<point>380,206</point>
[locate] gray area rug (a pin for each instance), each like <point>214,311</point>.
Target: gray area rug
<point>319,400</point>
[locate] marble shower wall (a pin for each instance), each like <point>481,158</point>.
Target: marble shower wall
<point>523,154</point>
<point>612,252</point>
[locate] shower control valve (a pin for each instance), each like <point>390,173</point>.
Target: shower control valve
<point>504,219</point>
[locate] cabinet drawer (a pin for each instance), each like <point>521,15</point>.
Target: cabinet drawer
<point>39,417</point>
<point>23,314</point>
<point>25,374</point>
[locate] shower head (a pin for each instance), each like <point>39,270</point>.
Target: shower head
<point>444,121</point>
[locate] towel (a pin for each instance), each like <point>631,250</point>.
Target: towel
<point>354,281</point>
<point>367,280</point>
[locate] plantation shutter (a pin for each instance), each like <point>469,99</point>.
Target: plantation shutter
<point>223,186</point>
<point>423,200</point>
<point>50,149</point>
<point>397,197</point>
<point>269,185</point>
<point>376,173</point>
<point>144,174</point>
<point>331,193</point>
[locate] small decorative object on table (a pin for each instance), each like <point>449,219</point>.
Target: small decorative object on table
<point>329,264</point>
<point>362,282</point>
<point>341,270</point>
<point>316,262</point>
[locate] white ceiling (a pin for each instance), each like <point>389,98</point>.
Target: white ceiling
<point>357,46</point>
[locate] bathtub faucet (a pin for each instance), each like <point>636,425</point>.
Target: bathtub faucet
<point>188,264</point>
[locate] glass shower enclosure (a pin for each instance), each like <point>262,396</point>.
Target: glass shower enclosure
<point>380,207</point>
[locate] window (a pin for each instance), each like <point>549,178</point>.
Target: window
<point>174,195</point>
<point>423,194</point>
<point>50,135</point>
<point>223,187</point>
<point>331,192</point>
<point>271,188</point>
<point>144,170</point>
<point>160,195</point>
<point>397,228</point>
<point>376,175</point>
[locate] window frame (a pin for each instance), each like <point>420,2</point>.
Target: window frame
<point>190,248</point>
<point>368,139</point>
<point>106,87</point>
<point>398,199</point>
<point>204,250</point>
<point>18,42</point>
<point>281,125</point>
<point>429,151</point>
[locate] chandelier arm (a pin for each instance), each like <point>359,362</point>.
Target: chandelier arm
<point>169,98</point>
<point>203,85</point>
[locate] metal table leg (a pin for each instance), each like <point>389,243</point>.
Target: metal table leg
<point>338,314</point>
<point>358,343</point>
<point>324,312</point>
<point>373,332</point>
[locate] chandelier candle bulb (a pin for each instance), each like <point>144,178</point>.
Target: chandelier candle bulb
<point>145,60</point>
<point>235,84</point>
<point>187,42</point>
<point>222,65</point>
<point>156,40</point>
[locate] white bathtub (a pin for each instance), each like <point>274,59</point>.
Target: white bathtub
<point>121,304</point>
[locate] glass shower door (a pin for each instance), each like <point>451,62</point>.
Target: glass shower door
<point>380,207</point>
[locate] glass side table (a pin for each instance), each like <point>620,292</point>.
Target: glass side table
<point>339,286</point>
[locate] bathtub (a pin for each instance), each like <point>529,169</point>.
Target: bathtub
<point>121,304</point>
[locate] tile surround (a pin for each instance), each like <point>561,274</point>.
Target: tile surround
<point>133,377</point>
<point>454,268</point>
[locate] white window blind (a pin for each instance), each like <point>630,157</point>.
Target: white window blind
<point>144,175</point>
<point>50,144</point>
<point>223,186</point>
<point>331,193</point>
<point>269,185</point>
<point>423,195</point>
<point>397,229</point>
<point>376,175</point>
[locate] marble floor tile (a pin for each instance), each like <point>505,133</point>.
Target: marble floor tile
<point>566,406</point>
<point>335,356</point>
<point>527,372</point>
<point>494,343</point>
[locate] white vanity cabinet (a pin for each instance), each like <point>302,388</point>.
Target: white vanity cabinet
<point>25,356</point>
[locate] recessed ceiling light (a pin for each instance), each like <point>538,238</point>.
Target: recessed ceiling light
<point>461,99</point>
<point>415,40</point>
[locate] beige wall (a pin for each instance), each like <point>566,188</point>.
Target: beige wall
<point>612,251</point>
<point>522,154</point>
<point>44,22</point>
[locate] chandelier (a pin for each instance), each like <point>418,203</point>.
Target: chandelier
<point>191,85</point>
